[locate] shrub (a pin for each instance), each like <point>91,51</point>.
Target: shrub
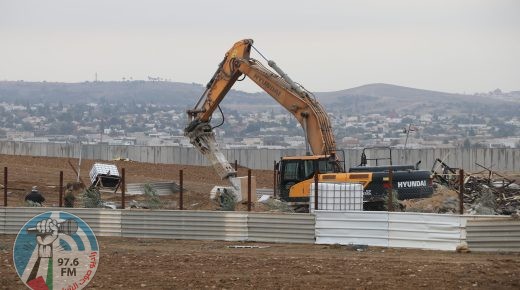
<point>92,198</point>
<point>228,201</point>
<point>395,201</point>
<point>152,198</point>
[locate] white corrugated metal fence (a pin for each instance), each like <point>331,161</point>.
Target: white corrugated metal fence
<point>354,227</point>
<point>280,228</point>
<point>389,229</point>
<point>385,229</point>
<point>193,225</point>
<point>493,234</point>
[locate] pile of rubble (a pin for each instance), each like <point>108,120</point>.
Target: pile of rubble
<point>444,200</point>
<point>491,196</point>
<point>485,193</point>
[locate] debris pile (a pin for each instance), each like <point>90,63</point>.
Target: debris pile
<point>491,196</point>
<point>485,193</point>
<point>443,200</point>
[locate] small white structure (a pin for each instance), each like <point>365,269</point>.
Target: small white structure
<point>104,175</point>
<point>337,196</point>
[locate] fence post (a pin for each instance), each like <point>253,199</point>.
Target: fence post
<point>390,199</point>
<point>274,178</point>
<point>461,191</point>
<point>249,190</point>
<point>123,182</point>
<point>316,190</point>
<point>61,189</point>
<point>181,191</point>
<point>5,186</point>
<point>236,165</point>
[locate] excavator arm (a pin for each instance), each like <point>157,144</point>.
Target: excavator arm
<point>299,102</point>
<point>221,82</point>
<point>309,113</point>
<point>199,129</point>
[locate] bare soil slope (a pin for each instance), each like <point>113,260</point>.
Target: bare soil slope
<point>27,171</point>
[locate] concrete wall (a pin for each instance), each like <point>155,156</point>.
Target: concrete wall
<point>498,159</point>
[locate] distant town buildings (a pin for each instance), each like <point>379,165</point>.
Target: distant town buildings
<point>150,124</point>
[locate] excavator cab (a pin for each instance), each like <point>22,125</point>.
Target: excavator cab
<point>295,169</point>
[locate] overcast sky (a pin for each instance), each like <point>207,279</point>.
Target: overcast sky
<point>446,45</point>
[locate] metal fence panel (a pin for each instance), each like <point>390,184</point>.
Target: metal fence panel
<point>193,225</point>
<point>424,231</point>
<point>411,230</point>
<point>161,188</point>
<point>495,234</point>
<point>367,228</point>
<point>102,221</point>
<point>281,228</point>
<point>2,220</point>
<point>16,217</point>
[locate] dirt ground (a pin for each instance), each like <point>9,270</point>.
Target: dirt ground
<point>184,264</point>
<point>27,171</point>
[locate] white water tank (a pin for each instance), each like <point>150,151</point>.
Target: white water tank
<point>337,196</point>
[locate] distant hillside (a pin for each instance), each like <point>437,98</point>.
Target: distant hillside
<point>385,97</point>
<point>171,93</point>
<point>372,98</point>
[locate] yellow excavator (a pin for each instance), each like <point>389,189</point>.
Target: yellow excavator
<point>295,173</point>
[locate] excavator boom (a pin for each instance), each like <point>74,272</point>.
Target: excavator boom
<point>300,103</point>
<point>293,97</point>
